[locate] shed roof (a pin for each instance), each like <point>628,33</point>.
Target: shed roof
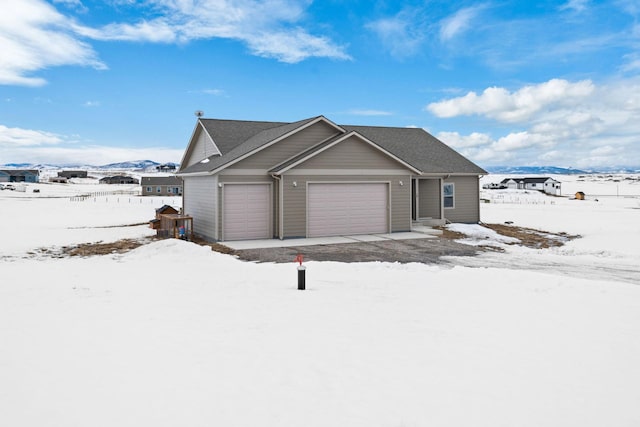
<point>165,208</point>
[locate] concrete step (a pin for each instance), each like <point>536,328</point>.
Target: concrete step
<point>425,229</point>
<point>430,222</point>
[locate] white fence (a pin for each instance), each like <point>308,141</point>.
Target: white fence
<point>95,195</point>
<point>516,199</point>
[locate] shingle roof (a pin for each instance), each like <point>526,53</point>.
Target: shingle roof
<point>161,180</point>
<point>537,180</point>
<point>418,148</point>
<point>228,134</point>
<point>235,138</point>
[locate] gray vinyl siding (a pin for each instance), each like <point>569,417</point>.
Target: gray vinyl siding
<point>466,199</point>
<point>429,198</point>
<point>295,199</point>
<point>199,201</point>
<point>352,153</point>
<point>202,148</point>
<point>222,179</point>
<point>287,148</point>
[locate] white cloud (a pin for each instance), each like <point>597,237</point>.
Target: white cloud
<point>268,27</point>
<point>17,137</point>
<point>293,46</point>
<point>402,34</point>
<point>156,31</point>
<point>90,104</point>
<point>575,5</point>
<point>458,22</point>
<point>632,63</point>
<point>75,4</point>
<point>33,36</point>
<point>475,139</point>
<point>88,154</point>
<point>600,130</point>
<point>36,146</point>
<point>512,107</point>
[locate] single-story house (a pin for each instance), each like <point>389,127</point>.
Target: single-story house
<point>19,175</point>
<point>494,186</point>
<point>313,177</point>
<point>511,184</point>
<point>59,179</point>
<point>166,167</point>
<point>161,186</point>
<point>119,179</point>
<point>73,174</point>
<point>544,184</point>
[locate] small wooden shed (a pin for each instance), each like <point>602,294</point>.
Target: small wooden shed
<point>579,195</point>
<point>175,225</point>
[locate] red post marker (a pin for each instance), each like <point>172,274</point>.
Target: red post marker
<point>301,273</point>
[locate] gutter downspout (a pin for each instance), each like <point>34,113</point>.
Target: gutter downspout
<point>280,205</point>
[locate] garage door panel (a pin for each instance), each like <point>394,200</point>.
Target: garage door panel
<point>347,208</point>
<point>246,211</point>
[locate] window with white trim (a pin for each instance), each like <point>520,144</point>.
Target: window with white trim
<point>448,193</point>
<point>159,189</point>
<point>149,189</point>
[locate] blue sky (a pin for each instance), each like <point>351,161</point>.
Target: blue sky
<point>503,82</point>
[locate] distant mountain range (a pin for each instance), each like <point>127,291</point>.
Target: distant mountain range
<point>150,166</point>
<point>554,170</point>
<point>134,165</point>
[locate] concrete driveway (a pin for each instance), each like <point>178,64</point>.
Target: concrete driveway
<point>395,247</point>
<point>331,240</point>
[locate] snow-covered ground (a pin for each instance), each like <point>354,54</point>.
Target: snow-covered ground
<point>173,334</point>
<point>609,225</point>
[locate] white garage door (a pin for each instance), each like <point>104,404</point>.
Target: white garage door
<point>349,208</point>
<point>246,211</point>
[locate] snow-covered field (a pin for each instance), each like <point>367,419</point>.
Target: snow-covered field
<point>174,334</point>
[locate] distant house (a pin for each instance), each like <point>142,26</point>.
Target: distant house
<point>166,167</point>
<point>19,175</point>
<point>494,186</point>
<point>59,179</point>
<point>511,184</point>
<point>545,184</point>
<point>580,195</point>
<point>73,174</point>
<point>161,186</point>
<point>119,179</point>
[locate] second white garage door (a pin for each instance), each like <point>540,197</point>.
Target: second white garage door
<point>347,208</point>
<point>246,211</point>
